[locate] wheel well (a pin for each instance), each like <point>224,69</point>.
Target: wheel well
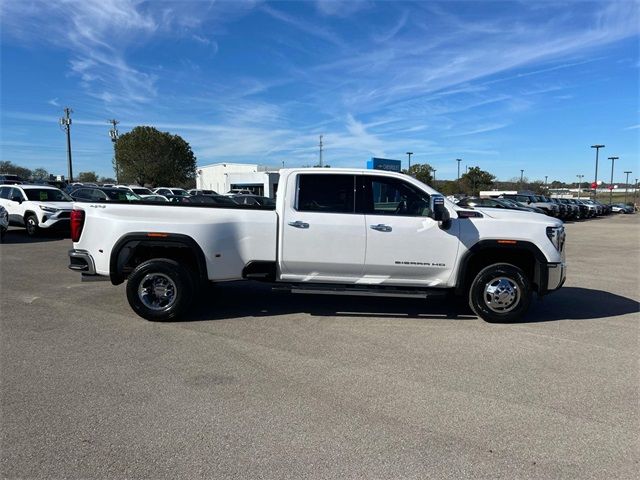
<point>28,213</point>
<point>523,259</point>
<point>134,252</point>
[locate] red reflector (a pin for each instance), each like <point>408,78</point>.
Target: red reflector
<point>510,242</point>
<point>152,234</point>
<point>77,222</point>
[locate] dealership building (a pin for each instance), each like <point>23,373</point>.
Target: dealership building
<point>222,177</point>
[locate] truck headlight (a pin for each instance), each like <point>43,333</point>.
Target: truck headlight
<point>556,236</point>
<point>49,209</point>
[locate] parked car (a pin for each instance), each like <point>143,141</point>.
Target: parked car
<point>202,192</point>
<point>396,237</point>
<point>10,179</point>
<point>472,202</point>
<point>36,207</point>
<point>101,194</point>
<point>246,199</point>
<point>531,200</point>
<point>136,189</point>
<point>178,192</point>
<point>529,208</point>
<point>574,210</point>
<point>154,198</point>
<point>209,199</point>
<point>592,210</point>
<point>4,222</point>
<point>621,208</point>
<point>239,191</point>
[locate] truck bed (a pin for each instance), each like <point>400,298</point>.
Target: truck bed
<point>230,236</point>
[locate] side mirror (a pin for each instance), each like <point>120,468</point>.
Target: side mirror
<point>17,198</point>
<point>440,212</point>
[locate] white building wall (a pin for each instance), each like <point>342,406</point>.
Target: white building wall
<point>221,176</point>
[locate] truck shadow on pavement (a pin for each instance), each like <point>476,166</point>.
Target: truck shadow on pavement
<point>575,303</point>
<point>19,236</point>
<point>242,299</point>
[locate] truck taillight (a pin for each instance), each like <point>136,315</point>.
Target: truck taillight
<point>77,222</point>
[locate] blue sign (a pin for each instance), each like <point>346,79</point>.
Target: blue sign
<point>384,164</point>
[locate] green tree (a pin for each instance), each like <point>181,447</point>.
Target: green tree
<point>475,180</point>
<point>40,174</point>
<point>106,180</point>
<point>9,167</point>
<point>87,177</point>
<point>146,156</point>
<point>420,171</point>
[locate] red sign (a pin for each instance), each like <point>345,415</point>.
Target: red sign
<point>594,185</point>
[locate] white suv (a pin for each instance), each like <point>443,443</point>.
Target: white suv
<point>36,207</point>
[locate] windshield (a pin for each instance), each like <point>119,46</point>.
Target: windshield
<point>142,191</point>
<point>179,192</point>
<point>47,195</point>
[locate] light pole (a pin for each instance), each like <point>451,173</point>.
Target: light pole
<point>409,155</point>
<point>65,123</point>
<point>521,178</point>
<point>114,134</point>
<point>434,177</point>
<point>635,190</point>
<point>458,160</point>
<point>580,177</point>
<point>626,186</point>
<point>613,160</point>
<point>545,181</point>
<point>595,182</point>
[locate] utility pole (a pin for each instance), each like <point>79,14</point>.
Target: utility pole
<point>458,160</point>
<point>613,160</point>
<point>114,134</point>
<point>595,182</point>
<point>320,145</point>
<point>580,177</point>
<point>626,186</point>
<point>409,155</point>
<point>65,123</point>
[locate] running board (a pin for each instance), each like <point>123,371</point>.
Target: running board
<point>363,292</point>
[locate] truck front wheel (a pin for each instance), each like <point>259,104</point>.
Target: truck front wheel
<point>500,293</point>
<point>160,289</point>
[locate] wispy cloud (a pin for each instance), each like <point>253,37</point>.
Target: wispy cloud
<point>633,127</point>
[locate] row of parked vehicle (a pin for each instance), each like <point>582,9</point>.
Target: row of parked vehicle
<point>44,207</point>
<point>562,208</point>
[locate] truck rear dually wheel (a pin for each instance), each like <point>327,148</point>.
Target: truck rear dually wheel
<point>160,289</point>
<point>500,293</point>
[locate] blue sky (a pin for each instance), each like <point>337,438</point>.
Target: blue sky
<point>502,85</point>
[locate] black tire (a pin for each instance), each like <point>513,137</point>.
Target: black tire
<point>509,288</point>
<point>2,234</point>
<point>32,226</point>
<point>172,293</point>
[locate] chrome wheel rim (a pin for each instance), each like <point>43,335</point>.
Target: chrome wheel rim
<point>157,291</point>
<point>501,295</point>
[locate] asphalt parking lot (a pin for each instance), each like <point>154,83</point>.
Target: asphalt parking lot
<point>274,385</point>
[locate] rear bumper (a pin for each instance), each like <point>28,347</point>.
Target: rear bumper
<point>81,261</point>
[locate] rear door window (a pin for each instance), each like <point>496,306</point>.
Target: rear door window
<point>329,193</point>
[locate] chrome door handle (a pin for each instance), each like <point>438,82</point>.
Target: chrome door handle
<point>381,227</point>
<point>299,224</point>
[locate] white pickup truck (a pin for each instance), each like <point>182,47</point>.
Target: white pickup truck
<point>348,231</point>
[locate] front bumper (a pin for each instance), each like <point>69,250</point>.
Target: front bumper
<point>556,275</point>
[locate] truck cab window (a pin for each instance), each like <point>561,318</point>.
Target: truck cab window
<point>325,193</point>
<point>390,196</point>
